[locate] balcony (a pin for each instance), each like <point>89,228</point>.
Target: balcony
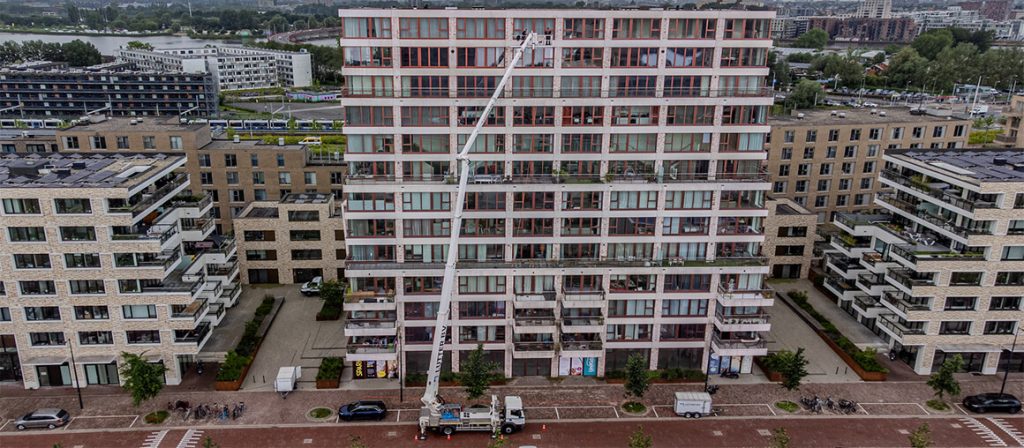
<point>916,214</point>
<point>582,298</point>
<point>165,260</point>
<point>842,264</point>
<point>909,278</point>
<point>534,320</point>
<point>369,301</point>
<point>543,350</point>
<point>917,254</point>
<point>871,283</point>
<point>899,329</point>
<point>161,233</point>
<point>756,346</point>
<point>384,350</point>
<point>370,327</point>
<point>581,348</point>
<point>903,304</point>
<point>948,196</point>
<point>755,322</point>
<point>841,287</point>
<point>199,202</point>
<point>229,296</point>
<point>194,310</point>
<point>195,336</point>
<point>867,306</point>
<point>537,300</point>
<point>202,225</point>
<point>583,325</point>
<point>848,244</point>
<point>226,270</point>
<point>145,200</point>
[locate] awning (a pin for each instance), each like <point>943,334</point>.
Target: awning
<point>45,360</point>
<point>969,348</point>
<point>95,359</point>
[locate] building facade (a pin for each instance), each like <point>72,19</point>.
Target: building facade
<point>299,237</point>
<point>234,68</point>
<point>232,172</point>
<point>1013,135</point>
<point>899,29</point>
<point>874,9</point>
<point>617,194</point>
<point>941,272</point>
<point>55,90</point>
<point>789,238</point>
<point>104,255</point>
<point>828,161</point>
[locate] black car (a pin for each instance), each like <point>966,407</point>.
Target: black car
<point>992,403</point>
<point>363,410</point>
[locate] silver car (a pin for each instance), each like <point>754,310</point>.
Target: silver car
<point>43,418</point>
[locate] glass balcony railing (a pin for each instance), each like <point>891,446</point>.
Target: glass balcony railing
<point>148,199</point>
<point>194,336</point>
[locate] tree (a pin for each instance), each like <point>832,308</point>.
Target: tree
<point>953,65</point>
<point>921,437</point>
<point>142,379</point>
<point>78,53</point>
<point>943,382</point>
<point>806,94</point>
<point>639,439</point>
<point>849,71</point>
<point>209,443</point>
<point>906,67</point>
<point>930,44</point>
<point>780,438</point>
<point>815,38</point>
<point>476,373</point>
<point>778,70</point>
<point>332,292</point>
<point>637,379</point>
<point>792,367</point>
<point>72,11</point>
<point>139,45</point>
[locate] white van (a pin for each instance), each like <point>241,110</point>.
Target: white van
<point>693,404</point>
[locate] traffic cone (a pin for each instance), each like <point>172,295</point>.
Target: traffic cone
<point>544,427</point>
<point>449,436</point>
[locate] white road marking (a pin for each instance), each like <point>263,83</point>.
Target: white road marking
<point>154,438</point>
<point>770,409</point>
<point>398,416</point>
<point>1017,436</point>
<point>6,422</point>
<point>616,412</point>
<point>718,433</point>
<point>307,441</point>
<point>764,432</point>
<point>557,417</point>
<point>983,431</point>
<point>65,428</point>
<point>190,439</point>
<point>903,431</point>
<point>134,420</point>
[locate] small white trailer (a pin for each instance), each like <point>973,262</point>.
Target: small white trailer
<point>692,404</point>
<point>286,379</point>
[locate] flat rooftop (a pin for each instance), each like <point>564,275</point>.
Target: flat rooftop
<point>816,117</point>
<point>222,144</point>
<point>306,198</point>
<point>262,212</point>
<point>141,125</point>
<point>987,165</point>
<point>57,170</point>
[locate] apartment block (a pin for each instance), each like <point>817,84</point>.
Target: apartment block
<point>789,238</point>
<point>233,172</point>
<point>233,67</point>
<point>941,271</point>
<point>828,161</point>
<point>617,195</point>
<point>46,89</point>
<point>102,255</point>
<point>27,141</point>
<point>1013,135</point>
<point>291,240</point>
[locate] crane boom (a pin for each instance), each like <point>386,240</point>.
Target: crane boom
<point>430,398</point>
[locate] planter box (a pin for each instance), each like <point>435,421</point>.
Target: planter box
<point>773,376</point>
<point>863,374</point>
<point>231,386</point>
<point>328,384</point>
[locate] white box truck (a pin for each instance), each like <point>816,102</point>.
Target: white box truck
<point>693,404</point>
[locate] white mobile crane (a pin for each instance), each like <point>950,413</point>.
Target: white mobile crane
<point>435,414</point>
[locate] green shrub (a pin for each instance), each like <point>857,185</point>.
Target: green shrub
<point>787,406</point>
<point>232,367</point>
<point>693,374</point>
<point>330,369</point>
<point>329,311</point>
<point>264,309</point>
<point>156,418</point>
<point>320,412</point>
<point>415,379</point>
<point>449,377</point>
<point>634,407</point>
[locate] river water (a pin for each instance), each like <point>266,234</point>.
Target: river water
<point>108,45</point>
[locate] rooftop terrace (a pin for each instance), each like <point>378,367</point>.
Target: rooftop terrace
<point>56,170</point>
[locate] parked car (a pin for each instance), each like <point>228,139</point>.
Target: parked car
<point>870,104</point>
<point>312,287</point>
<point>363,410</point>
<point>992,402</point>
<point>43,418</point>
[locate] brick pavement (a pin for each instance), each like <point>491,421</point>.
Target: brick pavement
<point>804,432</point>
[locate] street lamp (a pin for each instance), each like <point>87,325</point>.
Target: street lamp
<point>74,372</point>
<point>1009,360</point>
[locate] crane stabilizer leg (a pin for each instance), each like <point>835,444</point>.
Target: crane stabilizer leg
<point>431,402</point>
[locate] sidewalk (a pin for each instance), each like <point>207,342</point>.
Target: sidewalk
<point>789,332</point>
<point>853,330</point>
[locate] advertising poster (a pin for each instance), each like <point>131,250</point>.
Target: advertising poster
<point>563,366</point>
<point>589,366</point>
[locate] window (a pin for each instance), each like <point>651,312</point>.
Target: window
<point>423,28</point>
<point>1013,253</point>
<point>969,278</point>
<point>480,28</point>
<point>480,57</point>
<point>543,27</point>
<point>367,56</point>
<point>71,143</point>
<point>482,285</point>
<point>138,311</point>
<point>425,202</point>
<point>237,195</point>
<point>39,313</point>
<point>530,143</point>
<point>630,308</point>
<point>694,307</point>
<point>635,143</point>
<point>21,206</point>
<point>691,115</point>
<point>538,200</point>
<point>809,152</point>
<point>825,169</point>
<point>370,144</point>
<point>812,136</point>
<point>1004,304</point>
<point>581,226</point>
<point>78,233</point>
<point>95,338</point>
<point>307,254</point>
<point>538,57</point>
<point>91,313</point>
<point>581,200</point>
<point>424,57</point>
<point>744,57</point>
<point>44,339</point>
<point>231,177</point>
<point>175,142</point>
<point>582,57</point>
<point>122,142</point>
<point>32,261</point>
<point>366,27</point>
<point>744,115</point>
<point>692,28</point>
<point>688,142</point>
<point>261,255</point>
<point>143,336</point>
<point>960,303</point>
<point>532,87</point>
<point>304,235</point>
<point>1004,278</point>
<point>746,28</point>
<point>98,142</point>
<point>687,282</point>
<point>533,115</point>
<point>583,29</point>
<point>87,287</point>
<point>635,200</point>
<point>37,287</point>
<point>692,57</point>
<point>636,28</point>
<point>362,116</point>
<point>380,86</point>
<point>955,327</point>
<point>424,116</point>
<point>634,57</point>
<point>365,202</point>
<point>687,86</point>
<point>874,133</point>
<point>1000,327</point>
<point>679,200</point>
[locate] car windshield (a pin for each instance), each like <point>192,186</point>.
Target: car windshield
<point>64,413</point>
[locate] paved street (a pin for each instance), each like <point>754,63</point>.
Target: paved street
<point>946,431</point>
<point>791,333</point>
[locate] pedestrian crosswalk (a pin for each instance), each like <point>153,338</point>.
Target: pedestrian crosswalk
<point>983,431</point>
<point>190,439</point>
<point>153,439</point>
<point>1017,436</point>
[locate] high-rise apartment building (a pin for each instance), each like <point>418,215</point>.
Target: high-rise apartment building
<point>233,67</point>
<point>617,194</point>
<point>941,273</point>
<point>828,161</point>
<point>874,9</point>
<point>103,255</point>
